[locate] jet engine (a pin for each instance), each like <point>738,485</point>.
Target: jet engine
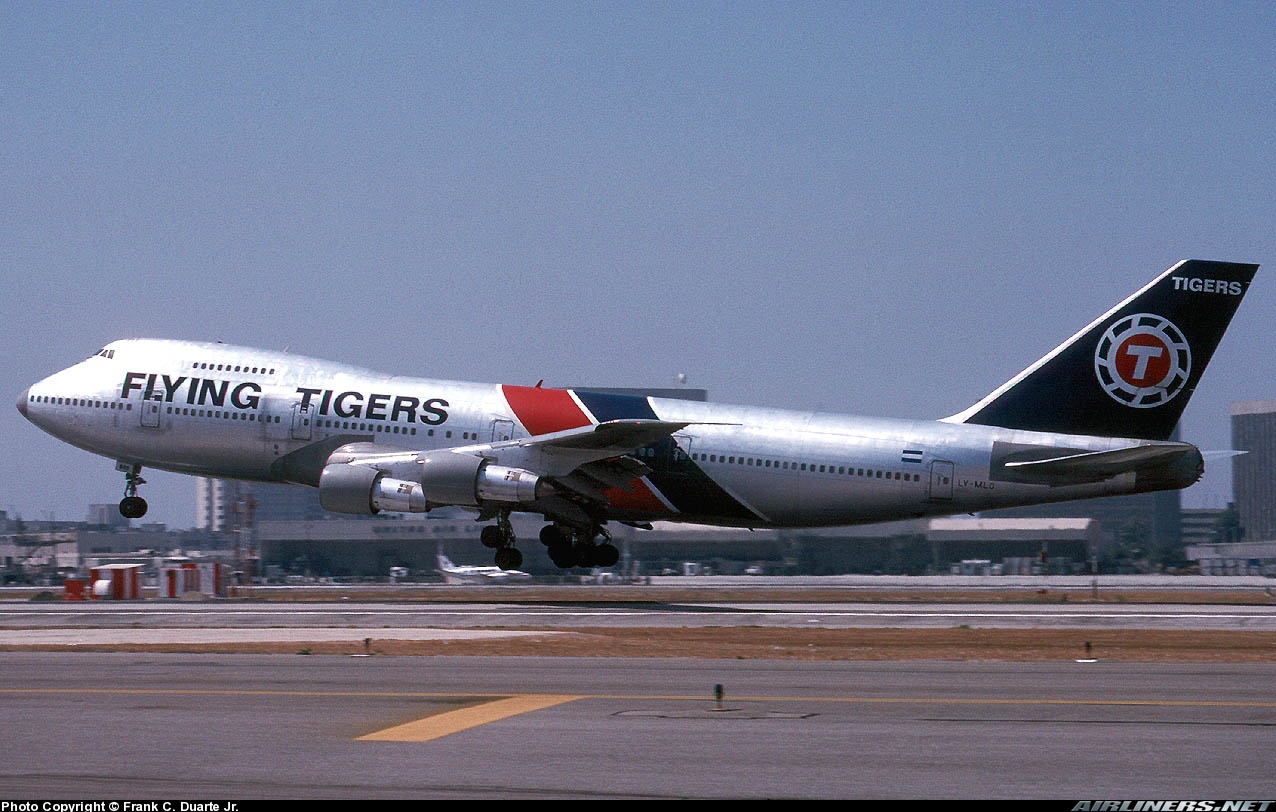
<point>438,479</point>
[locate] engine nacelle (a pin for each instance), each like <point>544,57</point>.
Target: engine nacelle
<point>463,479</point>
<point>361,489</point>
<point>346,488</point>
<point>450,479</point>
<point>445,478</point>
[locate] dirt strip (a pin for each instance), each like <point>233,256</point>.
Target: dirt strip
<point>758,643</point>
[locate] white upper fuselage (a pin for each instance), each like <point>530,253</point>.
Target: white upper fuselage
<point>218,410</point>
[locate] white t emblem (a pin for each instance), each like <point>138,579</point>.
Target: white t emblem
<point>1143,361</point>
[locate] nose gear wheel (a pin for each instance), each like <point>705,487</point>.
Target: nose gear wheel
<point>132,506</point>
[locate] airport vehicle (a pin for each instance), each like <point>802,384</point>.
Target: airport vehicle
<point>469,574</point>
<point>1092,418</point>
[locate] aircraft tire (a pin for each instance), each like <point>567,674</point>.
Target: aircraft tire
<point>492,537</point>
<point>552,535</point>
<point>606,555</point>
<point>132,507</point>
<point>509,558</point>
<point>563,556</point>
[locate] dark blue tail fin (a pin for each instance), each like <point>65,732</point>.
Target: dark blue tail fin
<point>1130,372</point>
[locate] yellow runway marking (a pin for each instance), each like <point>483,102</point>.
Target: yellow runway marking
<point>445,724</point>
<point>555,699</point>
<point>502,706</point>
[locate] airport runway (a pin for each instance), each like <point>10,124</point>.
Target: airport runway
<point>217,727</point>
<point>103,726</point>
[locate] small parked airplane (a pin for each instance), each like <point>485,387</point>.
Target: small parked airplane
<point>1092,418</point>
<point>462,574</point>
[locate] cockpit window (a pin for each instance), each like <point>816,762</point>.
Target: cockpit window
<point>103,353</point>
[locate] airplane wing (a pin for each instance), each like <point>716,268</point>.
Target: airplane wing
<point>576,464</point>
<point>562,452</point>
<point>1092,466</point>
<point>585,462</point>
<point>557,454</point>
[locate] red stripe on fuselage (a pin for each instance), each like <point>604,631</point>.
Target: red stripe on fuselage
<point>542,411</point>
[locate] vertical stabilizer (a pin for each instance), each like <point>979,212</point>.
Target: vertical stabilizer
<point>1131,372</point>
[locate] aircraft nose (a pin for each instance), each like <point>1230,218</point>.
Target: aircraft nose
<point>22,402</point>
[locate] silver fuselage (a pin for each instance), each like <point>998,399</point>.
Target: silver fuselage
<point>216,410</point>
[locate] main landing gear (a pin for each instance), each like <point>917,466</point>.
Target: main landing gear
<point>579,548</point>
<point>500,537</point>
<point>132,506</point>
<point>567,547</point>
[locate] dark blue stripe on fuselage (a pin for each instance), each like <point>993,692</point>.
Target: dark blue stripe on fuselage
<point>605,406</point>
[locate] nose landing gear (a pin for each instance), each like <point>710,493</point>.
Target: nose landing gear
<point>132,506</point>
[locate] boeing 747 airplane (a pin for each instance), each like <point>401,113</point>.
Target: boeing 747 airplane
<point>1092,418</point>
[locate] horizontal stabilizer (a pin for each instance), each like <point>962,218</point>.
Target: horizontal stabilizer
<point>1098,465</point>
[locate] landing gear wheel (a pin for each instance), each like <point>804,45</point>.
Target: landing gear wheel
<point>563,556</point>
<point>132,507</point>
<point>552,535</point>
<point>606,555</point>
<point>509,558</point>
<point>492,537</point>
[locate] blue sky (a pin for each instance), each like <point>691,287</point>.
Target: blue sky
<point>878,208</point>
